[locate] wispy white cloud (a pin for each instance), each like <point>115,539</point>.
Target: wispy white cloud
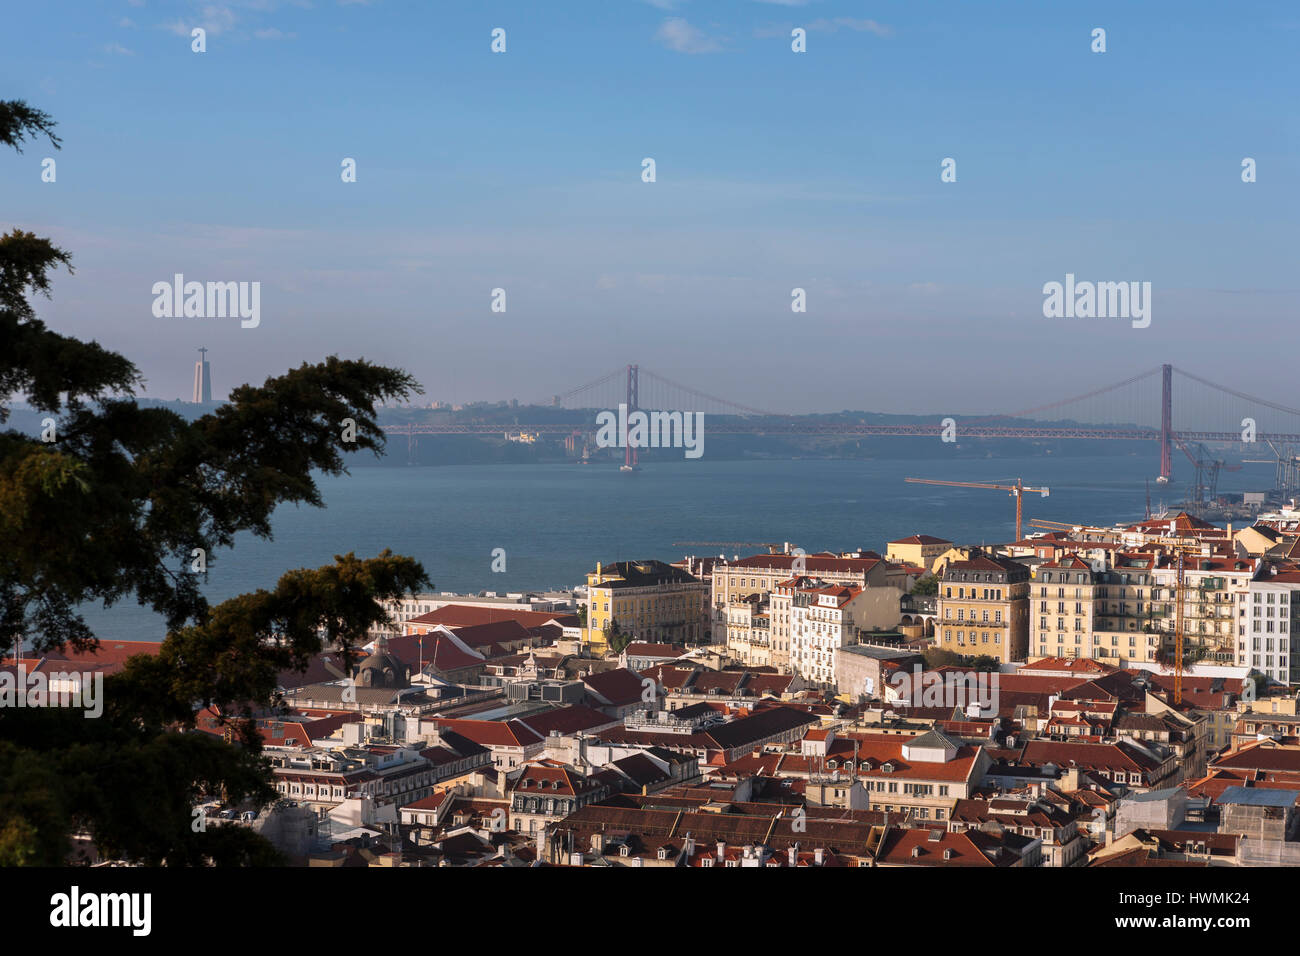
<point>271,33</point>
<point>213,18</point>
<point>676,34</point>
<point>117,49</point>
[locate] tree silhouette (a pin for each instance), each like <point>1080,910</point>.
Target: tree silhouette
<point>113,507</point>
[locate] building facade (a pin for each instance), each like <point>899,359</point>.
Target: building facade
<point>649,600</point>
<point>984,608</point>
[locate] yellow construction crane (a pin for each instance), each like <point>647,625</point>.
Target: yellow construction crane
<point>1017,491</point>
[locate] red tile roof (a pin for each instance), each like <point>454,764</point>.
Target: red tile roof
<point>469,615</point>
<point>493,733</point>
<point>617,687</point>
<point>567,720</point>
<point>811,563</point>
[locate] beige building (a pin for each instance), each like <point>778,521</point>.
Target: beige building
<point>925,775</point>
<point>949,556</point>
<point>1214,598</point>
<point>984,608</point>
<point>761,573</point>
<point>1063,600</point>
<point>749,631</point>
<point>649,600</point>
<point>918,549</point>
<point>1082,613</point>
<point>1261,541</point>
<point>862,670</point>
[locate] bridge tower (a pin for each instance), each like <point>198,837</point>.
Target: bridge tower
<point>1166,423</point>
<point>633,387</point>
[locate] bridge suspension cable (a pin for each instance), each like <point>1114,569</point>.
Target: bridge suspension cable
<point>597,383</point>
<point>1242,395</point>
<point>1025,413</point>
<point>696,393</point>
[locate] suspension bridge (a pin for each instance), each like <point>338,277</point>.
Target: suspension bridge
<point>1138,408</point>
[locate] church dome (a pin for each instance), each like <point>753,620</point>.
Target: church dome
<point>382,669</point>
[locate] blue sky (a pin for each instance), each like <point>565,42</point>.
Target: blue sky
<point>775,170</point>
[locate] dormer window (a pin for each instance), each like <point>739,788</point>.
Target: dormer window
<point>623,850</point>
<point>947,854</point>
<point>663,853</point>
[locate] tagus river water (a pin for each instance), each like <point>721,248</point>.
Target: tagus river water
<point>555,522</point>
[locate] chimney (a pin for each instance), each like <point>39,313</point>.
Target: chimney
<point>688,846</point>
<point>722,851</point>
<point>819,856</point>
<point>792,854</point>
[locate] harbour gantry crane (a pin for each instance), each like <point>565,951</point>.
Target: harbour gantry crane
<point>1288,468</point>
<point>1205,483</point>
<point>1182,547</point>
<point>1017,491</point>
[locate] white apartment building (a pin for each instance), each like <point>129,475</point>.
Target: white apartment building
<point>1268,627</point>
<point>760,574</point>
<point>823,619</point>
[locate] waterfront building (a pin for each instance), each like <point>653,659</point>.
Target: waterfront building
<point>648,600</point>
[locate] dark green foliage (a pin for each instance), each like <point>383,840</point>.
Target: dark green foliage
<point>113,508</point>
<point>926,585</point>
<point>18,121</point>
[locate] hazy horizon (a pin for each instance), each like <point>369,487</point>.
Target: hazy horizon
<point>774,170</point>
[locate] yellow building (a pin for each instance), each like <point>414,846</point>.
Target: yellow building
<point>649,601</point>
<point>984,609</point>
<point>1063,604</point>
<point>919,550</point>
<point>948,557</point>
